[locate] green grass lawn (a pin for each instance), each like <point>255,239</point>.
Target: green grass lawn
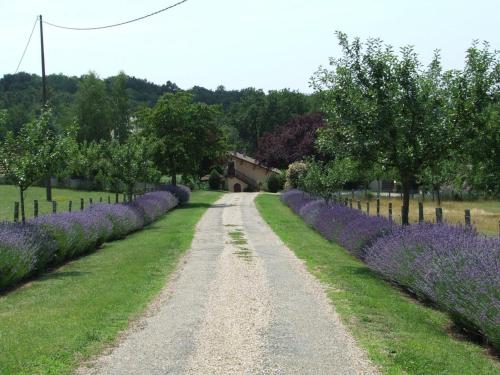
<point>399,334</point>
<point>10,194</point>
<point>49,325</point>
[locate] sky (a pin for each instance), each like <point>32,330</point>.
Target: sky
<point>267,44</point>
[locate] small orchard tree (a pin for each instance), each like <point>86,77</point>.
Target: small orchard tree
<point>28,156</point>
<point>131,162</point>
<point>383,107</point>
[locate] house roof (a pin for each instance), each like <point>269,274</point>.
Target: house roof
<point>251,160</point>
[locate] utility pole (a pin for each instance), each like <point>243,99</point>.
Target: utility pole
<point>44,102</point>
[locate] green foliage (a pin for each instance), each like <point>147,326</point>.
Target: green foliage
<point>131,162</point>
<point>294,173</point>
<point>120,107</point>
<point>215,180</point>
<point>384,108</point>
<point>34,152</point>
<point>93,109</point>
<point>187,133</point>
<point>275,183</point>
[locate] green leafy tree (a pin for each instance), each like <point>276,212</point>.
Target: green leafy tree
<point>29,156</point>
<point>131,162</point>
<point>93,109</point>
<point>120,111</point>
<point>475,115</point>
<point>186,134</point>
<point>384,108</point>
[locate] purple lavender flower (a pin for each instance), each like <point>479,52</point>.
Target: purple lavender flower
<point>24,249</point>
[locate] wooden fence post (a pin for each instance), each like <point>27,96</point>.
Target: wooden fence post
<point>420,212</point>
<point>54,207</point>
<point>439,215</point>
<point>82,204</point>
<point>390,211</point>
<point>90,201</point>
<point>345,202</point>
<point>109,199</point>
<point>100,199</point>
<point>467,217</point>
<point>403,214</point>
<point>368,208</point>
<point>378,206</point>
<point>35,208</point>
<point>70,206</point>
<point>124,198</point>
<point>350,203</point>
<point>359,205</point>
<point>16,212</point>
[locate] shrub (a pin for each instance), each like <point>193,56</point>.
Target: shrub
<point>274,183</point>
<point>352,229</point>
<point>24,250</point>
<point>27,248</point>
<point>214,180</point>
<point>181,192</point>
<point>294,173</point>
<point>453,266</point>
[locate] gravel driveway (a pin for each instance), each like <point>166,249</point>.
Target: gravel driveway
<point>240,303</point>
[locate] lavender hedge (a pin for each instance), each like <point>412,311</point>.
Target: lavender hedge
<point>452,266</point>
<point>350,228</point>
<point>181,192</point>
<point>52,239</point>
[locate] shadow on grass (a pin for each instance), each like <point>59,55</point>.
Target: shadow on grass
<point>63,275</point>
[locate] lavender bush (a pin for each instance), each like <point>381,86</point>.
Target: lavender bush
<point>24,249</point>
<point>352,229</point>
<point>181,192</point>
<point>152,205</point>
<point>55,238</point>
<point>453,266</point>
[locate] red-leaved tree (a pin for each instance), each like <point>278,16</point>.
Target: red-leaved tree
<point>289,142</point>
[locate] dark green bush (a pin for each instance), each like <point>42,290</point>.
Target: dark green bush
<point>215,180</point>
<point>274,183</point>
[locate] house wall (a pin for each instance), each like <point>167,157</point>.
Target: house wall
<point>231,181</point>
<point>255,172</point>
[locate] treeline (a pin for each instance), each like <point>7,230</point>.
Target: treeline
<point>107,108</point>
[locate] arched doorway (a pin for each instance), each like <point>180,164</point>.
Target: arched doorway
<point>237,188</point>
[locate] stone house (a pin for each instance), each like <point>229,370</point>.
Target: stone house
<point>244,172</point>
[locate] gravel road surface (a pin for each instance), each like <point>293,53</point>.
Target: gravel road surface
<point>240,303</point>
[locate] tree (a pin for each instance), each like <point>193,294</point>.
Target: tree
<point>475,115</point>
<point>93,109</point>
<point>291,142</point>
<point>186,134</point>
<point>384,108</point>
<point>30,155</point>
<point>120,107</point>
<point>131,162</point>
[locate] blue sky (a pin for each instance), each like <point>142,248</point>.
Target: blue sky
<point>269,44</point>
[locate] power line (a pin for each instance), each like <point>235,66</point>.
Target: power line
<point>116,24</point>
<point>27,44</point>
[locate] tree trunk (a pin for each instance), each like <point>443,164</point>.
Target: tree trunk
<point>49,189</point>
<point>405,185</point>
<point>174,178</point>
<point>130,192</point>
<point>438,194</point>
<point>23,216</point>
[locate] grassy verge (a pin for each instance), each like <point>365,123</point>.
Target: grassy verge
<point>10,194</point>
<point>51,324</point>
<point>400,335</point>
